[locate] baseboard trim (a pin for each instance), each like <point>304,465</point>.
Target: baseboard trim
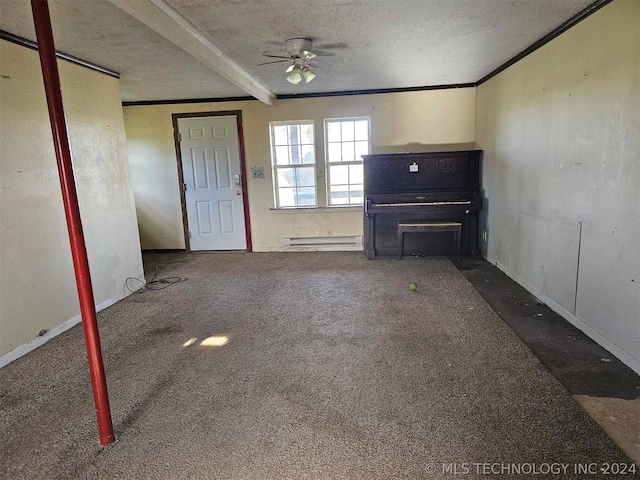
<point>31,345</point>
<point>164,250</point>
<point>320,248</point>
<point>624,356</point>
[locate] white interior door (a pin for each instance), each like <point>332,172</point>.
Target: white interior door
<point>211,171</point>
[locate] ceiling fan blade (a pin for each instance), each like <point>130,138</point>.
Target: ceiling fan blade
<point>331,46</point>
<point>275,61</point>
<point>276,56</point>
<point>325,53</point>
<point>331,61</point>
<point>321,67</point>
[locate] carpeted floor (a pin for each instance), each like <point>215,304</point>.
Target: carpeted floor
<point>333,368</point>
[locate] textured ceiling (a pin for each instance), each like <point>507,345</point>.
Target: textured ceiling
<point>384,43</point>
<point>151,67</point>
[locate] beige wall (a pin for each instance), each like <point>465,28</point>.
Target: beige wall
<point>37,286</point>
<point>560,130</point>
<point>399,122</point>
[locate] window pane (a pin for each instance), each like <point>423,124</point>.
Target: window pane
<point>282,155</point>
<point>362,148</point>
<point>347,132</point>
<point>335,152</point>
<point>280,134</point>
<point>287,197</point>
<point>339,195</point>
<point>306,134</point>
<point>333,131</point>
<point>296,158</point>
<point>294,134</point>
<point>339,175</point>
<point>308,155</point>
<point>362,130</point>
<point>348,154</point>
<point>355,173</point>
<point>286,177</point>
<point>306,196</point>
<point>293,153</point>
<point>355,195</point>
<point>305,177</point>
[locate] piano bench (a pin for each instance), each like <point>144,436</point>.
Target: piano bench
<point>431,227</point>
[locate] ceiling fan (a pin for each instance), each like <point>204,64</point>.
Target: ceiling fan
<point>301,59</point>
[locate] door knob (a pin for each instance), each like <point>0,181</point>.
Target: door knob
<point>238,192</point>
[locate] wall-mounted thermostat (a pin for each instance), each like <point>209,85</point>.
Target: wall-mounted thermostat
<point>257,172</point>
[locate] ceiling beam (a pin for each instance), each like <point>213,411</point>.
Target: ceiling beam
<point>165,21</point>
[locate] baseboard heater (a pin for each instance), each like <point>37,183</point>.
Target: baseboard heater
<point>351,241</point>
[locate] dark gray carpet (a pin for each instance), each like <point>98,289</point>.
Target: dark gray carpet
<point>551,338</point>
<point>333,369</point>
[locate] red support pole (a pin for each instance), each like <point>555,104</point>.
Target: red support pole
<point>51,78</point>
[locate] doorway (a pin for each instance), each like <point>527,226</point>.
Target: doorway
<point>213,180</point>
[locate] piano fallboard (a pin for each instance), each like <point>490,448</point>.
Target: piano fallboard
<point>398,204</point>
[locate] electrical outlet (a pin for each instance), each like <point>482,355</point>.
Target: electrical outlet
<point>257,172</point>
<point>484,235</point>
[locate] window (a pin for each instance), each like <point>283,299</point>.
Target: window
<point>294,163</point>
<point>347,139</point>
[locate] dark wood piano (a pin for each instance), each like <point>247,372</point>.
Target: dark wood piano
<point>422,203</point>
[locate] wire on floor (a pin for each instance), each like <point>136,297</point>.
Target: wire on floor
<point>154,284</point>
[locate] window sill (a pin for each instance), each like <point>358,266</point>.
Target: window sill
<point>333,208</point>
<point>349,208</point>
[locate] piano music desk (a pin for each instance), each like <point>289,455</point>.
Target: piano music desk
<point>455,227</point>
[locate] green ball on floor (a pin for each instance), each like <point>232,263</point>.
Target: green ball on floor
<point>413,287</point>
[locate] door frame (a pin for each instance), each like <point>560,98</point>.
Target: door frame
<point>243,170</point>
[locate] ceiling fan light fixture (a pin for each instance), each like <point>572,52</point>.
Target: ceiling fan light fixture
<point>308,75</point>
<point>295,76</point>
<point>307,55</point>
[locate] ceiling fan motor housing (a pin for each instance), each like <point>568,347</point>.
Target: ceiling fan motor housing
<point>296,45</point>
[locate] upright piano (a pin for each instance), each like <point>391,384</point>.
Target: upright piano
<point>422,203</point>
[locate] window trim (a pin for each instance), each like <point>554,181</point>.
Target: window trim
<point>275,166</point>
<point>327,164</point>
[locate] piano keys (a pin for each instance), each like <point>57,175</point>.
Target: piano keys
<point>435,188</point>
